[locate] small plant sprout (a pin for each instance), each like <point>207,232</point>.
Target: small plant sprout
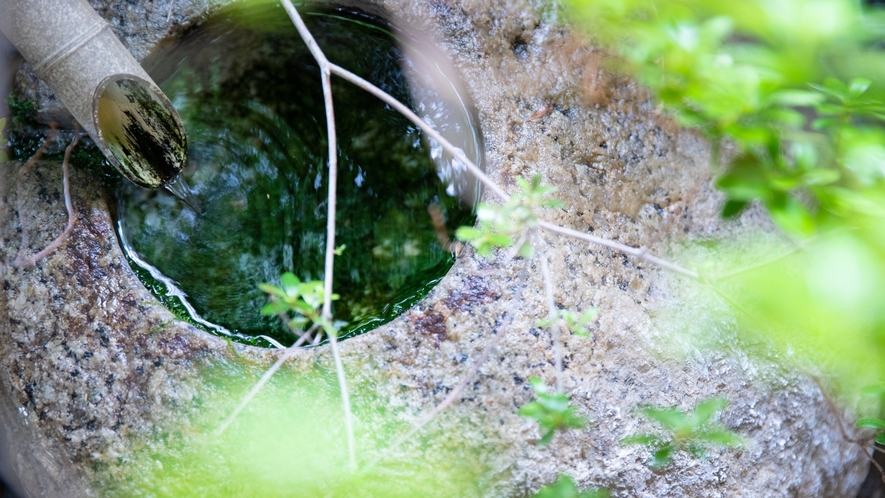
<point>499,226</point>
<point>572,321</point>
<point>692,432</point>
<point>301,299</point>
<point>565,487</point>
<point>552,412</point>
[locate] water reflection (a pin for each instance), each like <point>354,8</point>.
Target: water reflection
<point>250,97</point>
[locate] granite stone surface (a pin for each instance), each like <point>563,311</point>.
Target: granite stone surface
<point>90,366</point>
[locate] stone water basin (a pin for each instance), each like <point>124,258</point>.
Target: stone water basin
<point>105,392</point>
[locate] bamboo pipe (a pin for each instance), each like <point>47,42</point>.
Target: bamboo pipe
<point>102,85</point>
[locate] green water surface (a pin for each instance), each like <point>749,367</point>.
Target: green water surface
<point>249,94</point>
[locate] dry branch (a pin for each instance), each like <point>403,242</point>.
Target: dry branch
<point>22,261</point>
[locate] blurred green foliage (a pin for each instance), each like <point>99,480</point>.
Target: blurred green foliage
<point>505,226</point>
<point>795,85</point>
<point>791,96</point>
<point>565,487</point>
<point>287,443</point>
<point>552,411</point>
<point>693,432</point>
<point>299,303</point>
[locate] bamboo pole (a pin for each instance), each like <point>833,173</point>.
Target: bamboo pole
<point>106,90</point>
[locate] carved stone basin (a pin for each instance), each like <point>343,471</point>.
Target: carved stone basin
<point>92,371</point>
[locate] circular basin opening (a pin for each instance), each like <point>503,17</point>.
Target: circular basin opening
<point>250,96</point>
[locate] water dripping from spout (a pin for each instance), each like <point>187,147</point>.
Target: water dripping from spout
<point>179,188</point>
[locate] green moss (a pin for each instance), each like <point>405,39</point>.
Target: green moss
<point>22,111</point>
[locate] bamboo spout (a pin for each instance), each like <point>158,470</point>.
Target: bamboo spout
<point>102,85</point>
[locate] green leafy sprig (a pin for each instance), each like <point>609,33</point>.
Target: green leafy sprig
<point>693,432</point>
<point>572,321</point>
<point>552,412</point>
<point>796,87</point>
<point>505,226</point>
<point>299,303</point>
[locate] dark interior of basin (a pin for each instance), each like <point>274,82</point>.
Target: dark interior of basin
<point>250,97</point>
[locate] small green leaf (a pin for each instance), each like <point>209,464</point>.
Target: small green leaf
<point>858,86</point>
<point>880,438</point>
<point>669,418</point>
<point>721,438</point>
<point>554,203</point>
<point>272,289</point>
<point>466,234</point>
<point>500,240</point>
<point>733,207</point>
<point>290,283</point>
<point>268,309</point>
<point>662,457</point>
<point>872,423</point>
<point>704,411</point>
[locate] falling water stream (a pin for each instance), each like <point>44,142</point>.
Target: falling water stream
<point>250,98</point>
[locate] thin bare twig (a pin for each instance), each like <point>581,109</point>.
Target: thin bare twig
<point>257,387</point>
<point>862,444</point>
<point>330,219</point>
<point>482,177</point>
<point>554,320</point>
<point>456,392</point>
<point>632,251</point>
<point>19,199</point>
<point>21,261</point>
<point>442,235</point>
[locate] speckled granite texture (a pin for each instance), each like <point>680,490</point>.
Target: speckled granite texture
<point>88,364</point>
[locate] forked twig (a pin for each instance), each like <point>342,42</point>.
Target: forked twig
<point>488,183</point>
<point>327,68</point>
